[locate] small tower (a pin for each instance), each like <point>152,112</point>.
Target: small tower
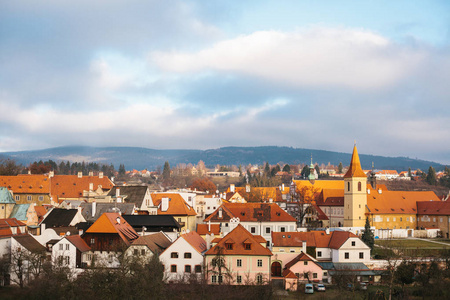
<point>355,197</point>
<point>312,176</point>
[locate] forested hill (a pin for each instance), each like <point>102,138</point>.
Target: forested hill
<point>144,158</point>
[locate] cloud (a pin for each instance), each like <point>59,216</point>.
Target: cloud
<point>314,57</point>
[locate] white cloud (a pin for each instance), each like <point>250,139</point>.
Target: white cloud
<point>313,57</point>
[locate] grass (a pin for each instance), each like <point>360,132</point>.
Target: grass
<point>410,244</point>
<point>409,248</point>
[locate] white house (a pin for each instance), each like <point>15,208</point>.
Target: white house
<point>71,251</point>
<point>184,258</point>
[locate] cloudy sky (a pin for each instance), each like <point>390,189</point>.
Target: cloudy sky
<point>206,74</point>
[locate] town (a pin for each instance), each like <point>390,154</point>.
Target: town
<point>262,232</point>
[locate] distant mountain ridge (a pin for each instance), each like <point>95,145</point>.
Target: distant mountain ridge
<point>145,158</point>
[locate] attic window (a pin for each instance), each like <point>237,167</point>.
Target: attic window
<point>414,209</point>
<point>392,209</point>
<point>30,186</point>
<point>229,246</point>
<point>376,209</point>
<point>41,187</point>
<point>248,246</point>
<point>278,214</point>
<point>9,186</point>
<point>243,213</point>
<point>57,183</point>
<point>74,183</point>
<point>402,209</point>
<point>20,186</point>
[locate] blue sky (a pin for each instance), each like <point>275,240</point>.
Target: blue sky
<point>207,74</point>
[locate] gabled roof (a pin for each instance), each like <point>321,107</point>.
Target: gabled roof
<point>78,242</point>
<point>265,193</point>
<point>20,212</point>
<point>331,197</point>
<point>338,238</point>
<point>12,222</point>
<point>251,212</point>
<point>320,184</point>
<point>433,208</point>
<point>355,166</point>
<point>195,240</point>
<point>41,211</point>
<point>177,205</point>
<point>26,184</point>
<point>301,257</point>
<point>288,274</point>
<point>131,193</point>
<point>101,208</point>
<point>319,239</point>
<point>202,229</point>
<point>59,217</point>
<point>30,243</point>
<point>108,223</point>
<point>150,221</point>
<point>397,202</point>
<point>237,237</point>
<point>72,186</point>
<point>157,242</point>
<point>5,196</point>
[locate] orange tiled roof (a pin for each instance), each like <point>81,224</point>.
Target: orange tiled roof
<point>338,238</point>
<point>72,186</point>
<point>433,208</point>
<point>319,239</point>
<point>107,223</point>
<point>397,202</point>
<point>355,166</point>
<point>237,237</point>
<point>195,240</point>
<point>26,184</point>
<point>251,212</point>
<point>331,197</point>
<point>288,274</point>
<point>177,205</point>
<point>78,242</point>
<point>202,229</point>
<point>301,257</point>
<point>320,184</point>
<point>265,192</point>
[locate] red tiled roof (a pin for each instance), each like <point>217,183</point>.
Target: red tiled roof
<point>107,223</point>
<point>195,240</point>
<point>202,229</point>
<point>433,208</point>
<point>26,184</point>
<point>301,257</point>
<point>319,239</point>
<point>72,186</point>
<point>177,205</point>
<point>338,238</point>
<point>251,212</point>
<point>12,222</point>
<point>288,274</point>
<point>355,166</point>
<point>78,242</point>
<point>237,237</point>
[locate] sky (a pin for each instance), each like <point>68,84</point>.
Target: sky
<point>208,74</point>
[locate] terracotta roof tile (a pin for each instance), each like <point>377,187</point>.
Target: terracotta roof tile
<point>251,212</point>
<point>177,205</point>
<point>157,242</point>
<point>202,229</point>
<point>355,166</point>
<point>26,184</point>
<point>107,223</point>
<point>301,257</point>
<point>397,202</point>
<point>78,242</point>
<point>72,186</point>
<point>433,208</point>
<point>195,240</point>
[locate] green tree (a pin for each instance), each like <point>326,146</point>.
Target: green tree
<point>122,169</point>
<point>317,170</point>
<point>431,176</point>
<point>305,172</point>
<point>166,171</point>
<point>409,173</point>
<point>287,168</point>
<point>267,169</point>
<point>367,236</point>
<point>340,168</point>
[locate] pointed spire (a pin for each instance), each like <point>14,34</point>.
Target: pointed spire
<point>355,166</point>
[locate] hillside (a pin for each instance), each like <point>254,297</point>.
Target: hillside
<point>144,158</point>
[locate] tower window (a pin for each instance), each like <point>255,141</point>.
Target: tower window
<point>348,186</point>
<point>359,186</point>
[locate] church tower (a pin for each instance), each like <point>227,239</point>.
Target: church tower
<point>355,193</point>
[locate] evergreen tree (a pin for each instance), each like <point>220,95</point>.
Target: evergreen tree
<point>317,170</point>
<point>305,171</point>
<point>431,176</point>
<point>340,168</point>
<point>287,168</point>
<point>367,236</point>
<point>267,169</point>
<point>122,169</point>
<point>409,173</point>
<point>166,171</point>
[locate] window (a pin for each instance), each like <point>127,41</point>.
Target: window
<point>143,252</point>
<point>353,243</point>
<point>66,260</point>
<point>41,198</point>
<point>67,246</point>
<point>282,229</point>
<point>346,255</point>
<point>239,263</point>
<point>248,246</point>
<point>29,198</point>
<point>61,247</point>
<point>187,255</point>
<point>179,219</point>
<point>173,268</point>
<point>359,186</point>
<point>259,279</point>
<point>325,274</point>
<point>348,186</point>
<point>136,251</point>
<point>395,219</point>
<point>174,255</point>
<point>259,262</point>
<point>267,229</point>
<point>387,219</point>
<point>401,219</point>
<point>239,279</point>
<point>198,269</point>
<point>229,246</point>
<point>253,229</point>
<point>319,253</point>
<point>187,269</point>
<point>314,275</point>
<point>361,255</point>
<point>305,262</point>
<point>92,241</point>
<point>17,198</point>
<point>220,278</point>
<point>292,250</point>
<point>214,279</point>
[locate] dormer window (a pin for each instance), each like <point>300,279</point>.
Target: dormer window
<point>229,246</point>
<point>248,246</point>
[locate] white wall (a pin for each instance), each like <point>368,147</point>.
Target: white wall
<point>338,255</point>
<point>64,249</point>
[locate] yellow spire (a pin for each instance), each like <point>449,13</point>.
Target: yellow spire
<point>355,166</point>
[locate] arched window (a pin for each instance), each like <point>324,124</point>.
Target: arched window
<point>359,186</point>
<point>348,186</point>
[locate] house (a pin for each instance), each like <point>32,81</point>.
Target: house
<point>59,217</point>
<point>173,204</point>
<point>434,214</point>
<point>109,236</point>
<point>139,195</point>
<point>208,229</point>
<point>184,257</point>
<point>28,188</point>
<point>148,224</point>
<point>26,213</point>
<point>305,269</point>
<point>246,259</point>
<point>386,174</point>
<point>7,203</point>
<point>10,227</point>
<point>206,205</point>
<point>256,194</point>
<point>70,251</point>
<point>93,210</point>
<point>148,245</point>
<point>257,218</point>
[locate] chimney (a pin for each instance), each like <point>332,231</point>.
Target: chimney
<point>42,228</point>
<point>208,239</point>
<point>29,172</point>
<point>232,188</point>
<point>51,174</point>
<point>327,231</point>
<point>164,204</point>
<point>91,173</point>
<point>368,191</point>
<point>304,246</point>
<point>80,232</point>
<point>247,188</point>
<point>94,208</point>
<point>100,175</point>
<point>282,187</point>
<point>220,212</point>
<point>80,174</point>
<point>91,187</point>
<point>270,200</point>
<point>118,220</point>
<point>380,191</point>
<point>209,226</point>
<point>117,192</point>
